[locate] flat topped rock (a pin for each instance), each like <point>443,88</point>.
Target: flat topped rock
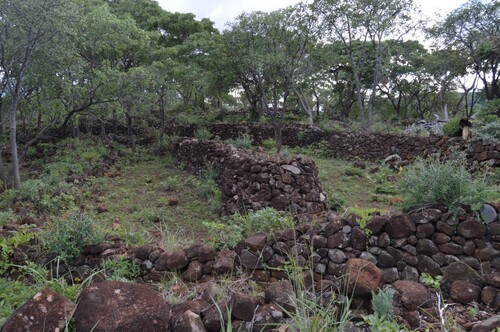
<point>293,169</point>
<point>113,306</point>
<point>45,311</point>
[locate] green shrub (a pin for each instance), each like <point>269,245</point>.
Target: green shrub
<point>228,233</point>
<point>67,238</point>
<point>489,131</point>
<point>244,141</point>
<point>354,171</point>
<point>120,270</point>
<point>202,133</point>
<point>269,144</point>
<point>448,182</point>
<point>452,127</point>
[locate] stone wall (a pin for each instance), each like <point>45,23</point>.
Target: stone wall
<point>252,181</point>
<point>465,251</point>
<point>367,146</point>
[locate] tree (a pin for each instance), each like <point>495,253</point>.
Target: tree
<point>28,33</point>
<point>474,30</point>
<point>370,21</point>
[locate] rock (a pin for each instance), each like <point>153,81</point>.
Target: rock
<point>390,275</point>
<point>426,216</point>
<point>440,238</point>
<point>363,277</point>
<point>465,292</point>
<point>409,273</point>
<point>488,213</point>
<point>424,231</point>
<point>413,318</point>
<point>487,253</point>
<point>358,239</point>
<point>428,265</point>
<point>45,311</point>
<point>488,325</point>
<point>493,279</point>
<point>461,271</point>
<point>427,247</point>
<point>376,224</point>
<point>267,317</point>
<point>489,295</point>
<point>256,242</point>
<point>214,315</point>
<point>250,260</point>
<point>472,229</point>
<point>451,248</point>
<point>338,240</point>
<point>225,261</point>
<point>206,254</point>
<point>333,227</point>
<point>291,168</point>
<point>279,293</point>
<point>413,294</point>
<point>194,271</point>
<point>243,306</point>
<point>400,226</point>
<point>118,306</point>
<point>337,256</point>
<point>188,321</point>
<point>101,208</point>
<point>386,260</point>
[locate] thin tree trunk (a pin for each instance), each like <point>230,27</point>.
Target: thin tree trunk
<point>161,105</point>
<point>13,143</point>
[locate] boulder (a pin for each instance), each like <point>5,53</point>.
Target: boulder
<point>119,306</point>
<point>413,294</point>
<point>462,271</point>
<point>45,311</point>
<point>465,292</point>
<point>243,306</point>
<point>400,226</point>
<point>280,293</point>
<point>188,321</point>
<point>363,277</point>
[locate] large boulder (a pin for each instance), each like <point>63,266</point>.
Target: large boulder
<point>363,277</point>
<point>112,306</point>
<point>413,294</point>
<point>45,311</point>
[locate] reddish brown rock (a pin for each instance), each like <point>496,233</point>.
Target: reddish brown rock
<point>188,321</point>
<point>243,306</point>
<point>45,311</point>
<point>400,226</point>
<point>194,271</point>
<point>363,277</point>
<point>464,292</point>
<point>376,224</point>
<point>280,294</point>
<point>112,306</point>
<point>267,317</point>
<point>413,294</point>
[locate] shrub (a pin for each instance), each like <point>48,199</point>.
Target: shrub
<point>433,181</point>
<point>228,233</point>
<point>269,144</point>
<point>202,133</point>
<point>244,141</point>
<point>354,171</point>
<point>487,131</point>
<point>67,238</point>
<point>452,127</point>
<point>120,270</point>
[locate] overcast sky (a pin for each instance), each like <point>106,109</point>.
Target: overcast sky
<point>222,11</point>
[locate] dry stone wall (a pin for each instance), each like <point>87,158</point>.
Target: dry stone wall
<point>368,146</point>
<point>393,248</point>
<point>253,181</point>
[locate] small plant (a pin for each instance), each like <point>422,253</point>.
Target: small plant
<point>67,238</point>
<point>382,319</point>
<point>224,234</point>
<point>364,215</point>
<point>452,128</point>
<point>244,141</point>
<point>429,280</point>
<point>269,144</point>
<point>120,270</point>
<point>202,133</point>
<point>448,182</point>
<point>335,202</point>
<point>9,243</point>
<point>354,171</point>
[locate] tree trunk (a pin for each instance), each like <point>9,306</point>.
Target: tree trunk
<point>161,105</point>
<point>13,143</point>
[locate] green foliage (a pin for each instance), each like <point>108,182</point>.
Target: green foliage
<point>448,182</point>
<point>431,281</point>
<point>364,214</point>
<point>208,188</point>
<point>202,133</point>
<point>382,319</point>
<point>335,201</point>
<point>120,270</point>
<point>228,233</point>
<point>452,128</point>
<point>9,243</point>
<point>269,144</point>
<point>354,171</point>
<point>5,217</point>
<point>489,131</point>
<point>12,295</point>
<point>67,237</point>
<point>244,141</point>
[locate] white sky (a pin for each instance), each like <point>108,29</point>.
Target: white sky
<point>222,11</point>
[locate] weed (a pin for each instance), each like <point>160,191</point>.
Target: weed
<point>452,127</point>
<point>9,243</point>
<point>431,281</point>
<point>224,234</point>
<point>382,319</point>
<point>364,215</point>
<point>354,171</point>
<point>269,144</point>
<point>244,141</point>
<point>67,238</point>
<point>120,270</point>
<point>433,181</point>
<point>335,201</point>
<point>202,133</point>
